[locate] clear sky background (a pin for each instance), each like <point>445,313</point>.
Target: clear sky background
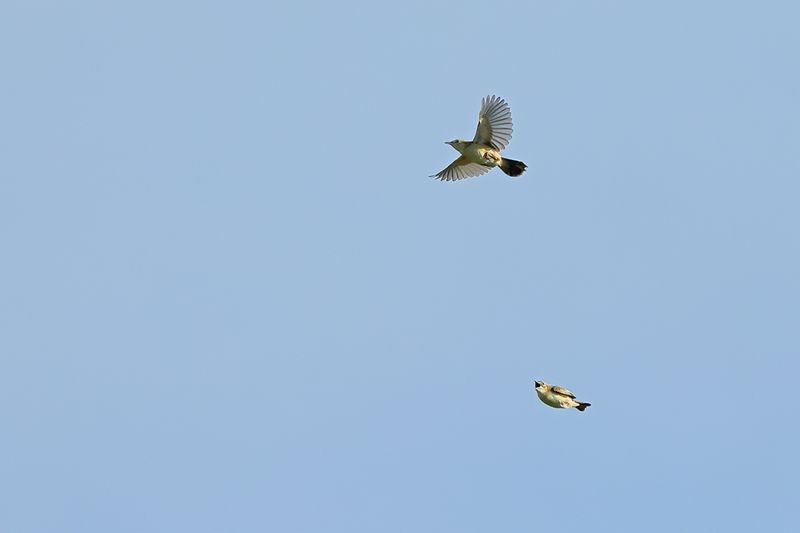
<point>233,301</point>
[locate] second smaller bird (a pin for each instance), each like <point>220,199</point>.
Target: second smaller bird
<point>557,397</point>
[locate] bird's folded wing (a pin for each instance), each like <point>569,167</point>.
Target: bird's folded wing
<point>494,123</point>
<point>563,392</point>
<point>460,169</point>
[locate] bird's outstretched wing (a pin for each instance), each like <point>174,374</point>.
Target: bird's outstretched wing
<point>563,392</point>
<point>460,169</point>
<point>494,123</point>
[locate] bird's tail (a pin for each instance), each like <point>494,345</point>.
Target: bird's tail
<point>512,168</point>
<point>582,406</point>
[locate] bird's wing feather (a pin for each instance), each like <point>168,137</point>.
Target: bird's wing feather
<point>563,392</point>
<point>460,169</point>
<point>494,123</point>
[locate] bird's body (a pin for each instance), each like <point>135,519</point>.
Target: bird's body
<point>558,397</point>
<point>482,153</point>
<point>477,153</point>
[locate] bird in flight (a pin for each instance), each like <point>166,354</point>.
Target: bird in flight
<point>558,397</point>
<point>482,153</point>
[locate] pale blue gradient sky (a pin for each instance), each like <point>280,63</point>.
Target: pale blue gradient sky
<point>233,301</point>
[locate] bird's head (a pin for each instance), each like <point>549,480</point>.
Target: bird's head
<point>457,144</point>
<point>539,385</point>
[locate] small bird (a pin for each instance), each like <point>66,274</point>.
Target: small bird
<point>482,153</point>
<point>557,397</point>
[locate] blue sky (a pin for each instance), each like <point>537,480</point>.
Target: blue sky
<point>233,300</point>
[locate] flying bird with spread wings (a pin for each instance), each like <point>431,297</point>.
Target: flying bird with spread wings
<point>558,397</point>
<point>482,153</point>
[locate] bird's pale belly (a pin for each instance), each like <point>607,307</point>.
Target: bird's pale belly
<point>482,155</point>
<point>550,400</point>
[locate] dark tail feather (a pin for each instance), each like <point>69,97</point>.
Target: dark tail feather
<point>512,168</point>
<point>582,406</point>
